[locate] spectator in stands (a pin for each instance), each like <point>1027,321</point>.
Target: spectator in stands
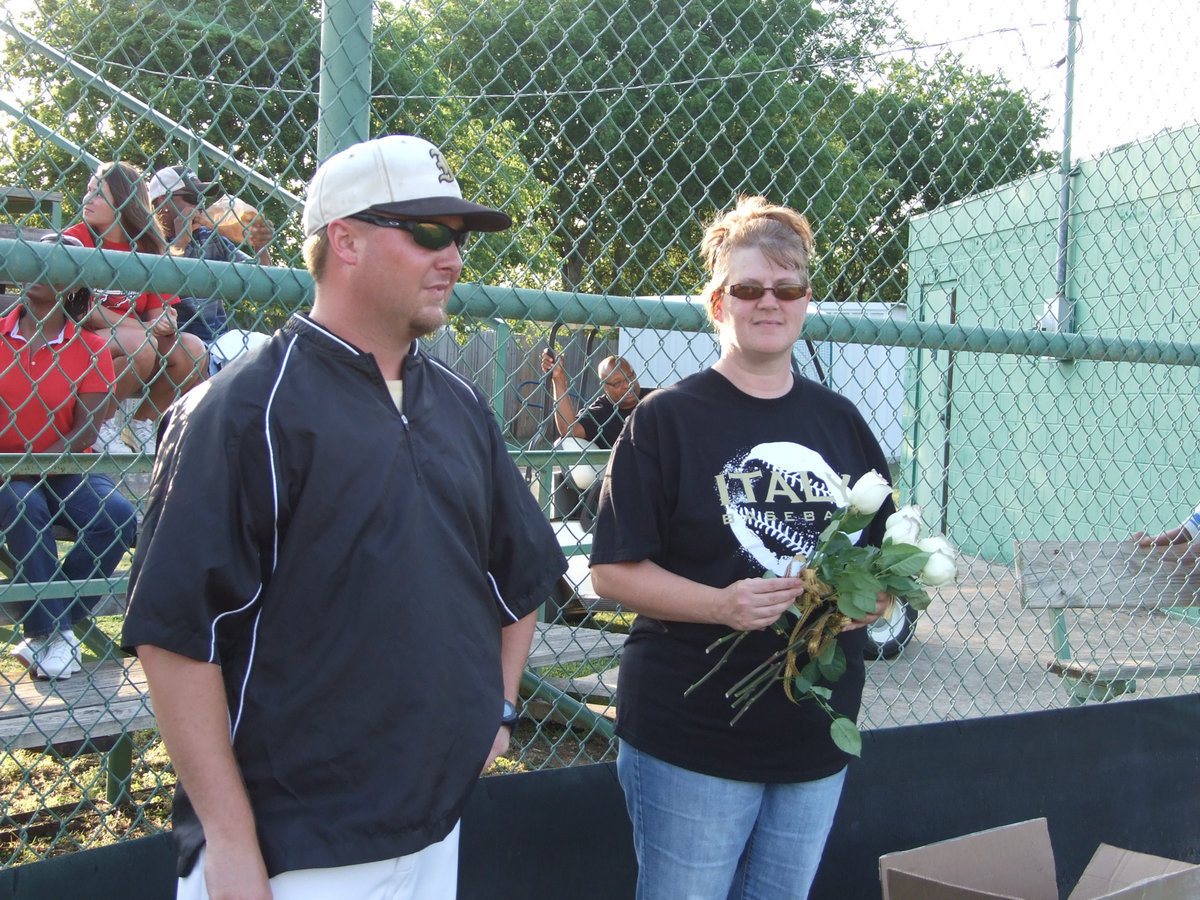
<point>150,355</point>
<point>714,486</point>
<point>56,382</point>
<point>602,421</point>
<point>339,489</point>
<point>1184,533</point>
<point>176,194</point>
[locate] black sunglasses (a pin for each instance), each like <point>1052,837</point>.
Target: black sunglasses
<point>756,291</point>
<point>430,235</point>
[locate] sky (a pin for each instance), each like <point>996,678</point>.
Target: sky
<point>1137,67</point>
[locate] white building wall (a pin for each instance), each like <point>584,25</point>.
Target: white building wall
<point>872,377</point>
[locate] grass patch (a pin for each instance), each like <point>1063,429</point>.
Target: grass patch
<point>56,804</point>
<point>581,668</point>
<point>547,745</point>
<point>618,622</point>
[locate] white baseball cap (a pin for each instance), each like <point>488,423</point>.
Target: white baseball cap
<point>233,344</point>
<point>398,174</point>
<point>177,180</point>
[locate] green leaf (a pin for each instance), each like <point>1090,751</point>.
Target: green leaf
<point>851,524</point>
<point>908,589</point>
<point>898,584</point>
<point>856,606</point>
<point>850,558</point>
<point>858,580</point>
<point>846,736</point>
<point>919,601</point>
<point>837,544</point>
<point>858,593</point>
<point>832,662</point>
<point>901,559</point>
<point>830,530</point>
<point>801,685</point>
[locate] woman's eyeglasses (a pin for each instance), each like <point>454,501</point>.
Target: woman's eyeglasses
<point>430,235</point>
<point>756,291</point>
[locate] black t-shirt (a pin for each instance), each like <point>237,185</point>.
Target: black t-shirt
<point>716,486</point>
<point>603,420</point>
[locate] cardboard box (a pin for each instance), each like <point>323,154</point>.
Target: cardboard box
<point>1016,862</point>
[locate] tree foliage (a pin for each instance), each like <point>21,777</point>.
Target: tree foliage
<point>642,121</point>
<point>232,74</point>
<point>612,131</point>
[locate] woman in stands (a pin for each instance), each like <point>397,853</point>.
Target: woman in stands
<point>56,384</point>
<point>149,352</point>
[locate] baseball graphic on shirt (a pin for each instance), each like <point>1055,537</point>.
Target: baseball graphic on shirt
<point>777,501</point>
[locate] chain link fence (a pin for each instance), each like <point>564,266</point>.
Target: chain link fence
<point>1008,249</point>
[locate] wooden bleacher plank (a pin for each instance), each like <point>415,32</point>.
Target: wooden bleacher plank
<point>1106,574</point>
<point>1121,669</point>
<point>24,591</point>
<point>597,685</point>
<point>557,644</point>
<point>103,700</point>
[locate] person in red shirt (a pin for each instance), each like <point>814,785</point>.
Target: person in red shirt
<point>55,383</point>
<point>148,349</point>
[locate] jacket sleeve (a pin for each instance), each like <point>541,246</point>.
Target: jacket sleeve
<point>524,558</point>
<point>204,553</point>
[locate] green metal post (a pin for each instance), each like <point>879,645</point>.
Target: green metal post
<point>118,767</point>
<point>1066,172</point>
<point>500,371</point>
<point>578,714</point>
<point>344,103</point>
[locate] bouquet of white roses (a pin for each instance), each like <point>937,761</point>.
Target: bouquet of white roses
<point>842,582</point>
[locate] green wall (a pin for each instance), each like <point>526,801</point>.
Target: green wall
<point>1036,447</point>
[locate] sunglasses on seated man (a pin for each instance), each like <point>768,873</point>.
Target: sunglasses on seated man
<point>756,291</point>
<point>430,235</point>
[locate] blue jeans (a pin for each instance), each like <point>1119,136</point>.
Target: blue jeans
<point>703,838</point>
<point>103,519</point>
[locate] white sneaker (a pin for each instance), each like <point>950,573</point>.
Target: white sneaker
<point>139,435</point>
<point>76,651</point>
<point>51,658</point>
<point>109,439</point>
<point>26,650</point>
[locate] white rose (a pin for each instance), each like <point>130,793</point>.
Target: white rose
<point>869,492</point>
<point>904,525</point>
<point>942,567</point>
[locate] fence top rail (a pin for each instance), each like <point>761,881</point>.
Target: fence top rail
<point>37,464</point>
<point>22,261</point>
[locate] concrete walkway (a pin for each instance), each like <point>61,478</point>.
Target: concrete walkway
<point>977,652</point>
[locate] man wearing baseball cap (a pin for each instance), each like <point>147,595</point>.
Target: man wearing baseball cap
<point>178,198</point>
<point>181,180</point>
<point>336,588</point>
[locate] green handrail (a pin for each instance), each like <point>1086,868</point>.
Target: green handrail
<point>24,261</point>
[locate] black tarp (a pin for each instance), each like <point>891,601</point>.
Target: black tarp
<point>1125,773</point>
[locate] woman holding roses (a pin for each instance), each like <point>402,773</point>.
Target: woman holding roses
<point>715,487</point>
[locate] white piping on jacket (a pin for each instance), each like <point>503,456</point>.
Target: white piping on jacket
<point>237,717</point>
